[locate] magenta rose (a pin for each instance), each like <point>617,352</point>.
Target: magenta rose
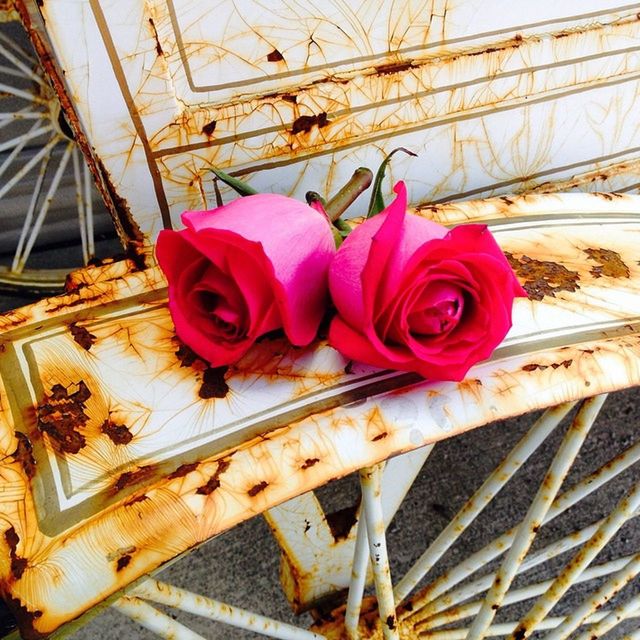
<point>239,271</point>
<point>415,296</point>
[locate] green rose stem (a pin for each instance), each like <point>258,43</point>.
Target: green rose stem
<point>359,182</point>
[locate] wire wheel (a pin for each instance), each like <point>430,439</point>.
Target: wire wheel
<point>47,198</point>
<point>530,531</point>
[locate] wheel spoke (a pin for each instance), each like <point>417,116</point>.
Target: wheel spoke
<point>16,48</point>
<point>371,487</point>
<point>619,614</point>
<point>30,164</point>
<point>358,581</point>
<point>26,70</point>
<point>21,93</point>
<point>26,225</point>
<point>527,530</point>
<point>610,526</point>
<point>44,208</point>
<point>82,219</point>
<point>25,137</point>
<point>425,602</point>
<point>481,498</point>
<point>150,618</point>
<point>171,596</point>
<point>16,150</point>
<point>88,203</point>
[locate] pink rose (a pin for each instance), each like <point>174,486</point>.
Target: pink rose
<point>414,296</point>
<point>244,269</point>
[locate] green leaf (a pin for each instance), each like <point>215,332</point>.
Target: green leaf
<point>237,185</point>
<point>376,205</point>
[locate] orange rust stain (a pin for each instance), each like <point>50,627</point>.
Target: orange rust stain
<point>132,501</point>
<point>393,67</point>
<point>275,56</point>
<point>129,478</point>
<point>380,436</point>
<point>117,433</point>
<point>542,277</point>
<point>18,564</point>
<point>24,454</point>
<point>309,462</point>
<point>304,124</point>
<point>214,481</point>
<point>61,415</point>
<point>609,263</point>
<point>183,470</point>
<point>82,336</point>
<point>341,522</point>
<point>257,488</point>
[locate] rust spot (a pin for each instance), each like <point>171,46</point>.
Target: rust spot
<point>341,522</point>
<point>183,470</point>
<point>495,607</point>
<point>213,383</point>
<point>214,481</point>
<point>309,462</point>
<point>24,454</point>
<point>275,56</point>
<point>155,35</point>
<point>61,415</point>
<point>135,499</point>
<point>24,616</point>
<point>543,277</point>
<point>117,433</point>
<point>391,622</point>
<point>380,436</point>
<point>393,67</point>
<point>123,561</point>
<point>187,356</point>
<point>519,633</point>
<point>533,367</point>
<point>609,264</point>
<point>565,363</point>
<point>258,488</point>
<point>129,478</point>
<point>82,336</point>
<point>306,123</point>
<point>18,564</point>
<point>209,128</point>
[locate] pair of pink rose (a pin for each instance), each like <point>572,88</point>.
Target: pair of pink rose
<point>409,294</point>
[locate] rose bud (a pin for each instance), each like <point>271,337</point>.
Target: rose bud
<point>412,295</point>
<point>244,269</point>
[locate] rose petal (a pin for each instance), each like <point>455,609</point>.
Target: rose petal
<point>297,243</point>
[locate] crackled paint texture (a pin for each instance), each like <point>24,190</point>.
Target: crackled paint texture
<point>296,100</point>
<point>121,463</point>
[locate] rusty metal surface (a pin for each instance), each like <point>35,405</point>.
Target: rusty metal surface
<point>122,463</point>
<point>494,98</point>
